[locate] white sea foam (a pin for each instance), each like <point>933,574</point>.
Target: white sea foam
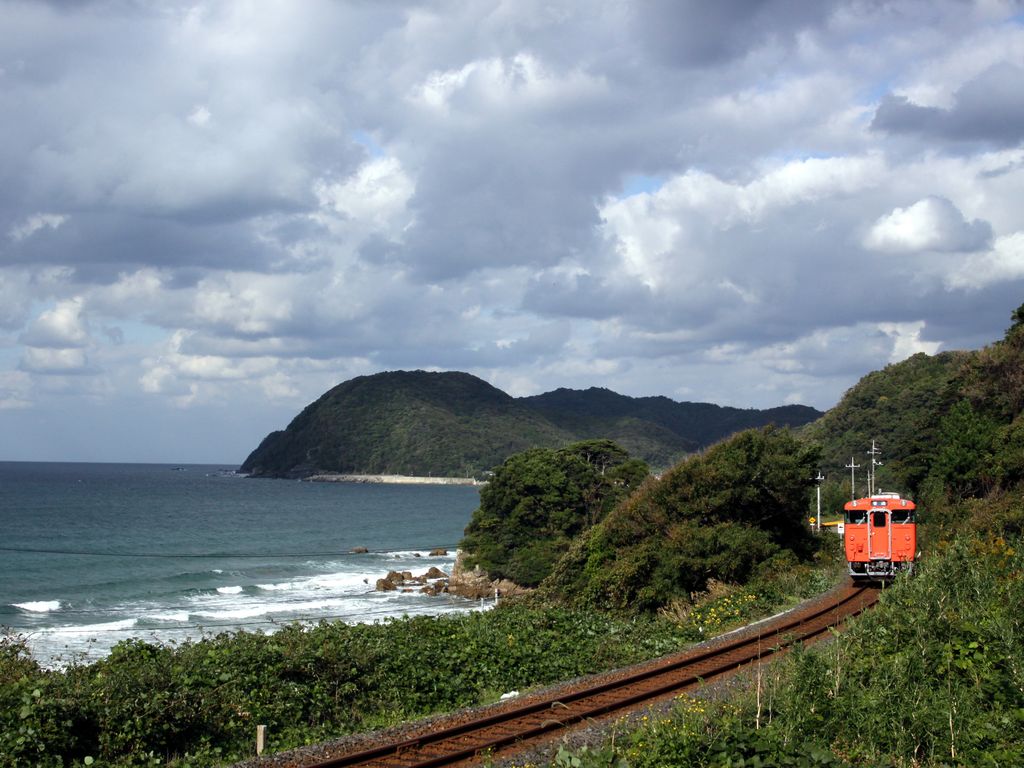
<point>39,606</point>
<point>280,586</point>
<point>229,590</point>
<point>411,554</point>
<point>88,629</point>
<point>179,616</point>
<point>344,580</point>
<point>249,612</point>
<point>271,608</point>
<point>347,581</point>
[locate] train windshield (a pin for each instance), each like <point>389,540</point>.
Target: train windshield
<point>878,519</point>
<point>854,516</point>
<point>903,515</point>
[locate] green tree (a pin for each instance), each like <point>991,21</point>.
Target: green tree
<point>965,459</point>
<point>539,499</point>
<point>714,516</point>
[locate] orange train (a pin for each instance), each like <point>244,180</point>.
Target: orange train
<point>880,536</point>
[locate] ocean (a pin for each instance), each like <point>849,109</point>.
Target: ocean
<point>92,554</point>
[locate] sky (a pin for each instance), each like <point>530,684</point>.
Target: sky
<point>213,212</point>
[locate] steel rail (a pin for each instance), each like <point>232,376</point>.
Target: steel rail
<point>678,672</point>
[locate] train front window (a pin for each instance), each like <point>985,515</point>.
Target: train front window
<point>855,516</point>
<point>878,519</point>
<point>903,516</point>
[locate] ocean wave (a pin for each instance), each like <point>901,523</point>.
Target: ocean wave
<point>39,606</point>
<point>269,609</point>
<point>229,590</point>
<point>178,616</point>
<point>341,580</point>
<point>85,629</point>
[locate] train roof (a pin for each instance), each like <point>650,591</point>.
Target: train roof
<point>880,500</point>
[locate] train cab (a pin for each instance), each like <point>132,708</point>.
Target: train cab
<point>880,536</point>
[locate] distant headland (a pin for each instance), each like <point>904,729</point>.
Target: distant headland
<point>419,424</point>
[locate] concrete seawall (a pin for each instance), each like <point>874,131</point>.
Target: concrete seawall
<point>395,479</point>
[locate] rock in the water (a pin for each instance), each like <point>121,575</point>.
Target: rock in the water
<point>433,582</point>
<point>359,550</point>
<point>475,584</point>
<point>439,552</point>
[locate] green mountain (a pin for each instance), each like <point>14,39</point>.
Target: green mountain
<point>404,422</point>
<point>657,429</point>
<point>420,423</point>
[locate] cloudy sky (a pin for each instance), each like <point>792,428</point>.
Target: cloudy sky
<point>212,212</point>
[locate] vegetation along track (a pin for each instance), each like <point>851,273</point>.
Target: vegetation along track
<point>541,719</point>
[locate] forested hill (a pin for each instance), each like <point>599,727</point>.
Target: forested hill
<point>657,429</point>
<point>420,423</point>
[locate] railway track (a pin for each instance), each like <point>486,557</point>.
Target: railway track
<point>541,719</point>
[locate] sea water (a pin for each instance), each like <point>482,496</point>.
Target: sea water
<point>92,554</point>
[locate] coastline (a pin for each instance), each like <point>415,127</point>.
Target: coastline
<point>330,477</point>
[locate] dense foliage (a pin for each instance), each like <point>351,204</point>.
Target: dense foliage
<point>717,515</point>
<point>420,423</point>
<point>930,678</point>
<point>538,500</point>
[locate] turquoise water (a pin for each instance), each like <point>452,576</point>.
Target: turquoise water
<point>91,554</point>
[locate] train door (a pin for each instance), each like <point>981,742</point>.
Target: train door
<point>879,535</point>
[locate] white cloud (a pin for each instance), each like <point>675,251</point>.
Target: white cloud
<point>930,224</point>
<point>519,81</point>
<point>189,379</point>
<point>654,231</point>
<point>200,116</point>
<point>376,194</point>
<point>245,303</point>
<point>35,223</point>
<point>50,361</point>
<point>1002,264</point>
<point>907,341</point>
<point>60,327</point>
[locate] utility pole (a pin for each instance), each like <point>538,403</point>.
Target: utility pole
<point>852,467</point>
<point>817,517</point>
<point>874,463</point>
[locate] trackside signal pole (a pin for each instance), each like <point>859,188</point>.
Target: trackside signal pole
<point>817,517</point>
<point>875,451</point>
<point>853,467</point>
